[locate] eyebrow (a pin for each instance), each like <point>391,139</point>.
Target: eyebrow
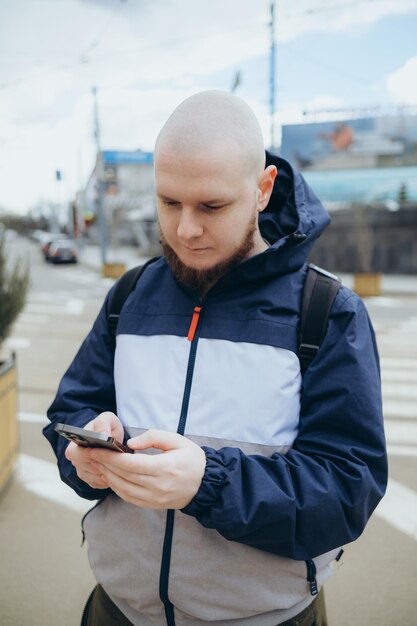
<point>166,198</point>
<point>213,201</point>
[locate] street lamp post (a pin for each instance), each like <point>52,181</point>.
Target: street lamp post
<point>272,75</point>
<point>100,185</point>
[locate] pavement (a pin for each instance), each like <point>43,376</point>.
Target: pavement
<point>45,576</point>
<point>90,256</point>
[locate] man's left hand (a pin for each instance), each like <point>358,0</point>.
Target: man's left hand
<point>169,480</point>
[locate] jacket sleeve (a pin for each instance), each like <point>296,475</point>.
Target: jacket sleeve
<point>86,389</point>
<point>320,495</point>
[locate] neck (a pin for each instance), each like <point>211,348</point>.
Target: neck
<point>259,245</point>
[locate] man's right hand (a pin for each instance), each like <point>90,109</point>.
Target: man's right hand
<point>87,470</point>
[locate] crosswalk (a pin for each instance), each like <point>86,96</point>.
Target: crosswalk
<point>397,344</point>
<point>42,306</point>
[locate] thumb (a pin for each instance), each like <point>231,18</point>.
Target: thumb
<point>107,423</point>
<point>160,439</point>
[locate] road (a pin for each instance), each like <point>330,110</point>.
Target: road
<point>45,577</point>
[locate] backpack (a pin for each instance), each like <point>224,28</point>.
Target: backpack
<point>319,292</point>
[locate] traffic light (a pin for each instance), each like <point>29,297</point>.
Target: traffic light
<point>89,218</point>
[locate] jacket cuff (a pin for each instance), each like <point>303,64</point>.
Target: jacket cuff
<point>214,478</point>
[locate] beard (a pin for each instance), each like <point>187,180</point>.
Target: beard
<point>203,279</point>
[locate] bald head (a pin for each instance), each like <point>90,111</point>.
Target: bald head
<point>214,123</point>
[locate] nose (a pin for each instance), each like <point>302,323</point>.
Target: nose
<point>189,226</point>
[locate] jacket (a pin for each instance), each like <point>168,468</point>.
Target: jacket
<point>295,465</point>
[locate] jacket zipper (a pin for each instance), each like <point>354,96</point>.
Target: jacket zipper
<point>84,517</point>
<point>193,336</point>
<point>194,323</point>
<point>311,577</point>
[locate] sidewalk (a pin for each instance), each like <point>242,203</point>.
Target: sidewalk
<point>391,285</point>
<point>90,256</point>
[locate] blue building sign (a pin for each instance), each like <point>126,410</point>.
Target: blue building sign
<point>119,157</point>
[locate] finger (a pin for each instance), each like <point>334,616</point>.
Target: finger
<point>127,465</point>
<point>69,451</point>
<point>77,454</point>
<point>93,477</point>
<point>146,481</point>
<point>132,492</point>
<point>81,459</point>
<point>94,480</point>
<point>108,423</point>
<point>160,439</point>
<point>119,484</point>
<point>91,468</point>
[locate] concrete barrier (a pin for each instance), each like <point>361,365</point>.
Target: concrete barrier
<point>113,270</point>
<point>9,434</point>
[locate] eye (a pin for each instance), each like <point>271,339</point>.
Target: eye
<point>213,207</point>
<point>170,202</point>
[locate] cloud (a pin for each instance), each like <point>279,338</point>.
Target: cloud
<point>342,15</point>
<point>144,57</point>
<point>402,84</point>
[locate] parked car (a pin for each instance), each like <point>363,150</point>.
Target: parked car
<point>47,240</point>
<point>63,251</point>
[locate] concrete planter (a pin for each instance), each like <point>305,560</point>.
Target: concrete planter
<point>367,283</point>
<point>113,270</point>
<point>9,433</point>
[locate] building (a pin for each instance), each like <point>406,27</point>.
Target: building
<point>127,184</point>
<point>357,143</point>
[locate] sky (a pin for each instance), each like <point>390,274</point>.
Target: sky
<point>145,56</point>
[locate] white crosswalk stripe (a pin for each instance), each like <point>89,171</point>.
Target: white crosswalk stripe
<point>397,389</point>
<point>397,343</point>
<point>42,478</point>
<point>400,432</point>
<point>399,508</point>
<point>42,306</point>
<point>405,376</point>
<point>71,306</point>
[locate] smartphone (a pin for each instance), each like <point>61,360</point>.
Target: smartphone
<point>90,439</point>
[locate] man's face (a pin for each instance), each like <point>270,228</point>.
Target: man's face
<point>207,209</point>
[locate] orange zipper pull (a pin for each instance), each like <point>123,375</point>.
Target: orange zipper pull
<point>194,323</point>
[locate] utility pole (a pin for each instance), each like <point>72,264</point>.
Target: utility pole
<point>100,184</point>
<point>56,207</point>
<point>272,75</point>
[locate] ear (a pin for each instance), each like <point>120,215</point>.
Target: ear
<point>265,186</point>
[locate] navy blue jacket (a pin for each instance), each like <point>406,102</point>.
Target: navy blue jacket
<point>298,491</point>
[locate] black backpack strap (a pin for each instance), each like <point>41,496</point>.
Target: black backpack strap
<point>123,288</point>
<point>320,289</point>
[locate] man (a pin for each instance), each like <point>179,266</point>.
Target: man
<point>260,475</point>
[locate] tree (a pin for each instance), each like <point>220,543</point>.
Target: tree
<point>403,193</point>
<point>364,237</point>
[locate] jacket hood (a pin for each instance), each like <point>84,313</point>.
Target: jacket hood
<point>293,208</point>
<point>294,217</point>
<point>291,223</point>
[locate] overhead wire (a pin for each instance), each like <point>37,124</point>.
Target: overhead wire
<point>84,57</point>
<point>331,7</point>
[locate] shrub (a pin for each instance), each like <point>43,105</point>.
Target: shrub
<point>14,284</point>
